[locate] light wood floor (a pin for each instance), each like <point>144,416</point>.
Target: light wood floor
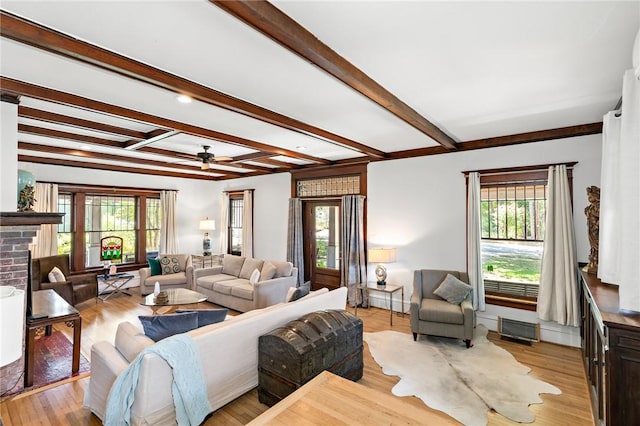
<point>61,404</point>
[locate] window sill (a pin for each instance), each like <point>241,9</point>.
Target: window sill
<point>511,302</point>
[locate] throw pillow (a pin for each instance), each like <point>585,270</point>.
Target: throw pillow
<point>453,290</point>
<point>268,271</point>
<point>56,275</point>
<point>170,265</point>
<point>232,265</point>
<point>255,276</point>
<point>207,316</point>
<point>158,327</point>
<point>249,266</point>
<point>154,265</point>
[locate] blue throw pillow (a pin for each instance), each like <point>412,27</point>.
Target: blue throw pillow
<point>157,327</point>
<point>154,265</point>
<point>207,316</point>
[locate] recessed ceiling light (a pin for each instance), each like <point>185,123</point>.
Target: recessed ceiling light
<point>301,148</point>
<point>85,147</point>
<point>184,99</point>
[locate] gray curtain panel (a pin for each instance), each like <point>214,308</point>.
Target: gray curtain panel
<point>295,253</point>
<point>353,268</point>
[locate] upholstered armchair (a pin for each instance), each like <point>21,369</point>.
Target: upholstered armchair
<point>431,314</point>
<point>74,289</point>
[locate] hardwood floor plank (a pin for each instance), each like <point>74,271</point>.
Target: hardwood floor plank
<point>62,404</point>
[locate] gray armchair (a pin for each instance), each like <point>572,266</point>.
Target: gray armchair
<point>433,315</point>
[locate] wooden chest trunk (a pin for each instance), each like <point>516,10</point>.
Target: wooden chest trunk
<point>290,356</point>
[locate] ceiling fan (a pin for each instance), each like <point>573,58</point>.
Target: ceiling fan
<point>207,157</point>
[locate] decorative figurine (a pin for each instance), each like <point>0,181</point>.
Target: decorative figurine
<point>27,199</point>
<point>592,211</point>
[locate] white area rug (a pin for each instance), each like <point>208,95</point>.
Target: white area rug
<point>464,383</point>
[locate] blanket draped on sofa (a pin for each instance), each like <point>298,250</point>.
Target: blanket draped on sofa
<point>189,390</point>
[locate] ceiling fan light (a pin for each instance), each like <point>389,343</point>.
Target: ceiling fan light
<point>204,166</point>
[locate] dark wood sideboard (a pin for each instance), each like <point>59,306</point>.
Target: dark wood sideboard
<point>611,350</point>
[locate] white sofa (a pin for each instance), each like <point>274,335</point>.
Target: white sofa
<point>183,278</point>
<point>229,284</point>
<point>228,354</point>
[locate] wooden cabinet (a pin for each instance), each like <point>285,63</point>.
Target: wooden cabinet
<point>611,350</point>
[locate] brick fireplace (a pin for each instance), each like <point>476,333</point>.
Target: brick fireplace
<point>17,230</point>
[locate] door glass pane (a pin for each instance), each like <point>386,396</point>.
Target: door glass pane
<point>327,237</point>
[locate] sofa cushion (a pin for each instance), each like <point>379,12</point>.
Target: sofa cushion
<point>130,341</point>
<point>158,327</point>
<point>170,279</point>
<point>169,265</point>
<point>207,316</point>
<point>268,271</point>
<point>243,291</point>
<point>436,310</point>
<point>154,266</point>
<point>232,265</point>
<point>249,266</point>
<point>453,290</point>
<point>209,280</point>
<point>283,269</point>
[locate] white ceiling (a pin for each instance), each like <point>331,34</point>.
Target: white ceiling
<point>475,69</point>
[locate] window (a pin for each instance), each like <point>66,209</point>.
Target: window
<point>512,210</point>
<point>95,212</point>
<point>236,210</point>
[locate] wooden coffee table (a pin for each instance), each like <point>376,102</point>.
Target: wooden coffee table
<point>177,296</point>
<point>50,308</point>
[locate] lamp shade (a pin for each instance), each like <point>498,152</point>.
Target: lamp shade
<point>382,255</point>
<point>207,225</point>
<point>11,324</point>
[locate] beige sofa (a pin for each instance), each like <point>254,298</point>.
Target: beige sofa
<point>228,353</point>
<point>182,278</point>
<point>229,284</point>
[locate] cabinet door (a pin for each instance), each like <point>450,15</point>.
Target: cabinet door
<point>623,392</point>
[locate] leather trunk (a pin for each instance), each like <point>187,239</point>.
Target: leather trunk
<point>290,356</point>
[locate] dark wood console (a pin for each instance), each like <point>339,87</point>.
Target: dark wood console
<point>611,350</point>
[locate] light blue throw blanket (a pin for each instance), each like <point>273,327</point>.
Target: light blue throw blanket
<point>189,390</point>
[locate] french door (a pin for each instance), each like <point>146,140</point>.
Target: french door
<point>322,243</point>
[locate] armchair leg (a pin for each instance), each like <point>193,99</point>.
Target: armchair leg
<point>468,343</point>
<point>415,336</point>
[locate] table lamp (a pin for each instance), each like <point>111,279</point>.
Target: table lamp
<point>11,324</point>
<point>380,256</point>
<point>207,225</point>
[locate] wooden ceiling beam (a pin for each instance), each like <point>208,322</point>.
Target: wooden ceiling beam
<point>273,23</point>
<point>60,134</point>
<point>17,87</point>
<point>51,117</point>
<point>89,155</point>
<point>109,167</point>
<point>39,36</point>
<point>277,163</point>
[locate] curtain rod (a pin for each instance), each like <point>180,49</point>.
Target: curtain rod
<point>107,187</point>
<point>238,190</point>
<point>519,169</point>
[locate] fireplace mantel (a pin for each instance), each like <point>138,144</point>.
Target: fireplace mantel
<point>29,218</point>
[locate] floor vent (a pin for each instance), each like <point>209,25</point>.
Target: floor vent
<point>519,330</point>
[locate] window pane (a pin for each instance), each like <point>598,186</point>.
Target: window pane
<point>105,216</point>
<point>327,237</point>
<point>154,219</point>
<point>64,228</point>
<point>236,208</point>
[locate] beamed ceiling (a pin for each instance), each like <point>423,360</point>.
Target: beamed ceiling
<point>289,85</point>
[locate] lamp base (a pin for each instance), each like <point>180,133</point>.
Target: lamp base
<point>206,253</point>
<point>381,283</point>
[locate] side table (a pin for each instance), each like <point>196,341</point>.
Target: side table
<point>386,289</point>
<point>213,259</point>
<point>114,284</point>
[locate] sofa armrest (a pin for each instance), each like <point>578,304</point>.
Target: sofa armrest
<point>144,274</point>
<point>273,291</point>
<point>469,317</point>
<point>106,364</point>
<point>85,278</point>
<point>203,272</point>
<point>191,282</point>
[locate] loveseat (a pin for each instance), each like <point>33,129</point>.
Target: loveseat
<point>228,353</point>
<point>175,270</point>
<point>231,283</point>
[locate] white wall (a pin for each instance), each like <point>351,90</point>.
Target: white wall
<point>8,157</point>
<point>196,199</point>
<point>418,205</point>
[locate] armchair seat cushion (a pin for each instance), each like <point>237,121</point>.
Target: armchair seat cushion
<point>434,310</point>
<point>169,279</point>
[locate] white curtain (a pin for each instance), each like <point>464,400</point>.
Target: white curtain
<point>628,199</point>
<point>474,241</point>
<point>609,238</point>
<point>295,248</point>
<point>224,222</point>
<point>558,293</point>
<point>168,231</point>
<point>247,223</point>
<point>353,268</point>
<point>46,242</point>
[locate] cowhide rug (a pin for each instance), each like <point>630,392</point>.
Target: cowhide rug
<point>464,383</point>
